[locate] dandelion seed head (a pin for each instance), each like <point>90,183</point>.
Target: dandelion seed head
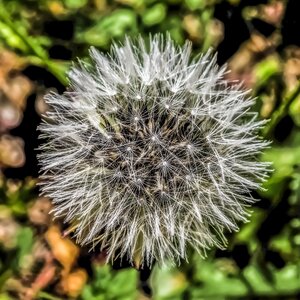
<point>151,151</point>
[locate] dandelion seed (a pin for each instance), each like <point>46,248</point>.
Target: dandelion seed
<point>150,152</point>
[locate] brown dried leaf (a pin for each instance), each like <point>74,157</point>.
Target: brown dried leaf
<point>73,283</point>
<point>192,25</point>
<point>251,52</point>
<point>11,151</point>
<point>10,116</point>
<point>291,70</point>
<point>273,12</point>
<point>38,213</point>
<point>63,249</point>
<point>17,87</point>
<point>8,229</point>
<point>9,61</point>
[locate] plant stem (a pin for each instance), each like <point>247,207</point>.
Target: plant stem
<point>281,112</point>
<point>57,69</point>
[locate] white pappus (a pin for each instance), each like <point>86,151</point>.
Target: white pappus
<point>151,151</point>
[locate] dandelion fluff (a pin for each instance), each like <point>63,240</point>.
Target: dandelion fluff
<point>150,152</point>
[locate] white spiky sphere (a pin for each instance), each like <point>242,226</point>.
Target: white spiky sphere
<point>150,151</point>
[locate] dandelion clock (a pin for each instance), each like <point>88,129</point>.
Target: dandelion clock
<point>151,151</point>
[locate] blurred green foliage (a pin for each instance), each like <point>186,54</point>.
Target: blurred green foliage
<point>109,285</point>
<point>263,258</point>
<point>219,279</point>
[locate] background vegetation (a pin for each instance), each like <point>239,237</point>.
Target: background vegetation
<point>258,39</point>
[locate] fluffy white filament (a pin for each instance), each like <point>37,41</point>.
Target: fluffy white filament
<point>151,151</point>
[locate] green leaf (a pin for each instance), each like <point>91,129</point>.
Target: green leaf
<point>108,284</point>
<point>167,283</point>
<point>5,297</point>
<point>284,159</point>
<point>267,68</point>
<point>247,233</point>
<point>75,4</point>
<point>195,4</point>
<point>155,14</point>
<point>112,26</point>
<point>24,244</point>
